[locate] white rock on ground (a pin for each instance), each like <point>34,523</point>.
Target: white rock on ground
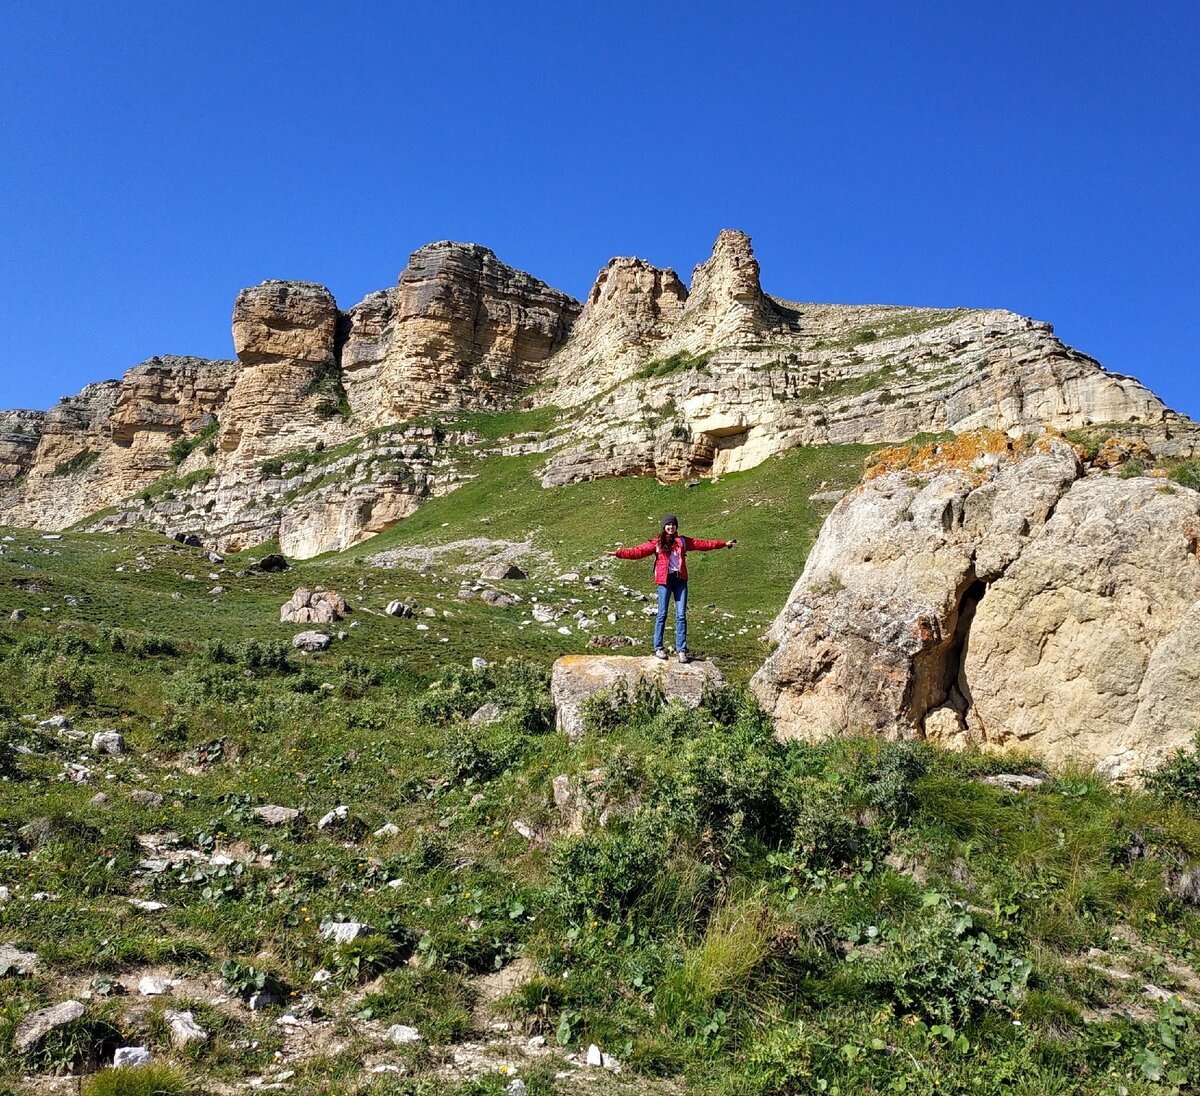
<point>108,742</point>
<point>131,1057</point>
<point>402,1035</point>
<point>184,1029</point>
<point>346,932</point>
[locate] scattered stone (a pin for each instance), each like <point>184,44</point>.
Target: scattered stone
<point>1157,993</point>
<point>15,961</point>
<point>150,986</point>
<point>147,905</point>
<point>273,563</point>
<point>338,815</point>
<point>274,815</point>
<point>487,713</point>
<point>108,742</point>
<point>56,723</point>
<point>546,614</point>
<point>100,799</point>
<point>576,797</point>
<point>502,569</point>
<point>1186,886</point>
<point>217,590</point>
<point>524,829</point>
<point>184,1029</point>
<point>130,1057</point>
<point>479,664</point>
<point>398,609</point>
<point>516,1087</point>
<point>5,894</point>
<point>37,1025</point>
<point>311,641</point>
<point>1015,782</point>
<point>388,829</point>
<point>18,615</point>
<point>264,999</point>
<point>146,798</point>
<point>610,642</point>
<point>322,976</point>
<point>346,932</point>
<point>402,1035</point>
<point>213,557</point>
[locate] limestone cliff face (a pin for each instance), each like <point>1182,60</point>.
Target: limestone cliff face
<point>651,379</point>
<point>288,392</point>
<point>735,376</point>
<point>461,330</point>
<point>1004,596</point>
<point>92,450</point>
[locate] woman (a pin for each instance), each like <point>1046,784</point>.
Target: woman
<point>670,573</point>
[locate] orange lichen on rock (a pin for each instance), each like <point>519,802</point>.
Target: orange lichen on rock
<point>961,453</point>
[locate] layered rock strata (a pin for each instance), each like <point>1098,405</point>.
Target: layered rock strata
<point>1001,596</point>
<point>730,376</point>
<point>461,331</point>
<point>649,378</point>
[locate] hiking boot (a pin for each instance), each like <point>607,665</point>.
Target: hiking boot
<point>683,656</point>
<point>660,653</point>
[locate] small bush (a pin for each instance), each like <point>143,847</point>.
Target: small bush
<point>1179,779</point>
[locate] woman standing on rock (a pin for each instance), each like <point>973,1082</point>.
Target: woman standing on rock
<point>670,551</point>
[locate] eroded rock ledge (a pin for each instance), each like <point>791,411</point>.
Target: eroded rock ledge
<point>999,595</point>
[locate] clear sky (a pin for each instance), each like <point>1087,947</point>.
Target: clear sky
<point>157,157</point>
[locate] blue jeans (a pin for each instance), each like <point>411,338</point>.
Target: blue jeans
<point>675,588</point>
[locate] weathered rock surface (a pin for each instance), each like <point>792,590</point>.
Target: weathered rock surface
<point>654,379</point>
<point>311,641</point>
<point>574,679</point>
<point>319,606</point>
<point>37,1025</point>
<point>461,329</point>
<point>999,597</point>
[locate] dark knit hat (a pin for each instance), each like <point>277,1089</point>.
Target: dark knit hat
<point>670,519</point>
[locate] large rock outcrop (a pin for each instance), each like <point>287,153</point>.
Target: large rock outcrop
<point>1000,595</point>
<point>576,679</point>
<point>289,440</point>
<point>288,392</point>
<point>461,330</point>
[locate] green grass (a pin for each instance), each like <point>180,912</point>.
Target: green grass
<point>754,917</point>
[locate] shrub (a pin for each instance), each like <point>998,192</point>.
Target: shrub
<point>1179,779</point>
<point>941,965</point>
<point>602,875</point>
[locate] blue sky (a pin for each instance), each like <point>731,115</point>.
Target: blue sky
<point>1040,157</point>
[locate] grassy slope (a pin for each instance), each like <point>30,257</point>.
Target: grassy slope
<point>756,918</point>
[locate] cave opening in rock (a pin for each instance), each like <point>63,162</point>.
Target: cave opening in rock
<point>957,689</point>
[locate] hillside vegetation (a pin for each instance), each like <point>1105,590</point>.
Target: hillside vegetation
<point>720,913</point>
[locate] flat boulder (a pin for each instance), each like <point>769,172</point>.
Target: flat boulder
<point>575,679</point>
<point>37,1025</point>
<point>311,641</point>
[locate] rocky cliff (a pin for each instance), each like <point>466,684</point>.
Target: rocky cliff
<point>649,378</point>
<point>1001,594</point>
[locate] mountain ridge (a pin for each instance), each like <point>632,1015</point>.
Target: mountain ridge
<point>647,376</point>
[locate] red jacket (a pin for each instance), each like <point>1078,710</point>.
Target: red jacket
<point>663,561</point>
